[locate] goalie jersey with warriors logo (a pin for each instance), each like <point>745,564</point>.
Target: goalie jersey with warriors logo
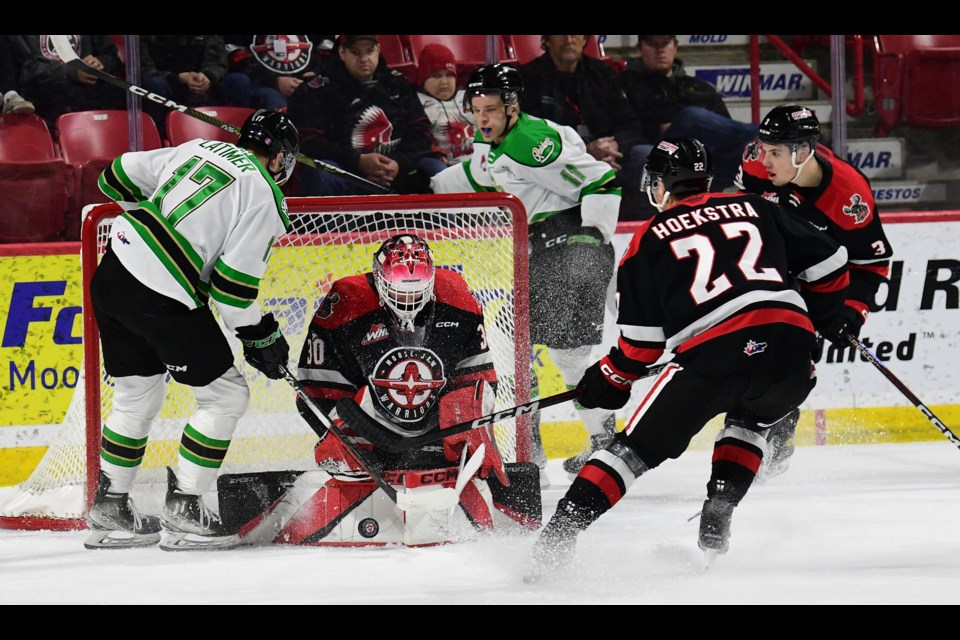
<point>354,343</point>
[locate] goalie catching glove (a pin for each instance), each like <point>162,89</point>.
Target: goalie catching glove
<point>463,405</point>
<point>264,347</point>
<point>604,386</point>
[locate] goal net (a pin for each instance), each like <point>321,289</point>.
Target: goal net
<point>481,236</point>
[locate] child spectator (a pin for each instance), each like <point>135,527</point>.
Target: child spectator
<point>453,127</point>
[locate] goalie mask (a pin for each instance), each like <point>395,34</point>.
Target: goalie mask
<point>274,131</point>
<point>403,273</point>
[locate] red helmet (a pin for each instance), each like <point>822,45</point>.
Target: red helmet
<point>403,272</point>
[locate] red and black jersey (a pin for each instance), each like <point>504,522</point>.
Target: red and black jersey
<point>728,282</point>
<point>353,341</point>
<point>843,206</point>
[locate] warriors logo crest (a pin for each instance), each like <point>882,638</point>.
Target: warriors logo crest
<point>282,54</point>
<point>406,383</point>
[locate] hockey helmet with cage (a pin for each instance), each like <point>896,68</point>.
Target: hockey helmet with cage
<point>275,132</point>
<point>498,78</point>
<point>682,165</point>
<point>403,273</point>
<point>790,124</point>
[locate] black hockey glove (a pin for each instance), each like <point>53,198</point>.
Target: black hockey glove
<point>264,347</point>
<point>604,386</point>
<point>848,321</point>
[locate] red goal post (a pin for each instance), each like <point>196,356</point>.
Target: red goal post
<point>483,236</point>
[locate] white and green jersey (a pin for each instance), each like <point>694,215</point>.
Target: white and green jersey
<point>546,166</point>
<point>199,222</point>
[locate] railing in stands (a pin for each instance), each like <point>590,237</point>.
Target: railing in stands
<point>854,108</point>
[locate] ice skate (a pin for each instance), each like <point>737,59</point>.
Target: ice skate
<point>780,447</point>
<point>552,551</point>
<point>190,524</point>
<point>115,522</point>
<point>714,537</point>
<point>597,442</point>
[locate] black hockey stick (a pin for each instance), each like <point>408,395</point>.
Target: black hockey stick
<point>70,58</point>
<point>357,418</point>
<point>937,422</point>
<point>440,498</point>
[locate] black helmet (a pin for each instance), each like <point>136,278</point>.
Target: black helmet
<point>500,78</point>
<point>790,124</point>
<point>682,164</point>
<point>275,132</point>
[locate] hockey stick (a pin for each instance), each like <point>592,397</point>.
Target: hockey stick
<point>70,58</point>
<point>903,389</point>
<point>357,418</point>
<point>440,498</point>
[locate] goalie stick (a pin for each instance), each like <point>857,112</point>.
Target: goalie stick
<point>440,498</point>
<point>70,58</point>
<point>862,348</point>
<point>357,418</point>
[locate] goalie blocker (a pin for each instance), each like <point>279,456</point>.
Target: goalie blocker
<point>313,508</point>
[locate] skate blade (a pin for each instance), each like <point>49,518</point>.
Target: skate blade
<point>102,539</point>
<point>182,541</point>
<point>710,556</point>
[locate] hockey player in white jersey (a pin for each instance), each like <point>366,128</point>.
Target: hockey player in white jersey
<point>198,225</point>
<point>572,207</point>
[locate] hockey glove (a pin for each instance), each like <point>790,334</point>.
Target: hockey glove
<point>264,347</point>
<point>336,459</point>
<point>848,321</point>
<point>464,405</point>
<point>604,386</point>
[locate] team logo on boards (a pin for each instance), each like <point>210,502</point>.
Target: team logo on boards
<point>282,54</point>
<point>406,383</point>
<point>753,347</point>
<point>858,209</point>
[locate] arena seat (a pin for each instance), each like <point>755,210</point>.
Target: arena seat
<point>470,51</point>
<point>89,141</point>
<point>396,53</point>
<point>916,81</point>
<point>35,183</point>
<point>181,127</point>
<point>525,48</point>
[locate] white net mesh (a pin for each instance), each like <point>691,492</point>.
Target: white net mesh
<point>477,236</point>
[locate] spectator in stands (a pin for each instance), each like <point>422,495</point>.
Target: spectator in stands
<point>669,102</point>
<point>191,70</point>
<point>55,88</point>
<point>13,102</point>
<point>573,89</point>
<point>365,118</point>
<point>453,128</point>
<point>276,65</point>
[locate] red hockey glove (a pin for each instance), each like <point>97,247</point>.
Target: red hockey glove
<point>464,405</point>
<point>336,459</point>
<point>604,386</point>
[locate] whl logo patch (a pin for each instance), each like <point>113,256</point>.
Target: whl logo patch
<point>407,382</point>
<point>377,332</point>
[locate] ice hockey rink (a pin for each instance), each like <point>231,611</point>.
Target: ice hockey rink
<point>847,524</point>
